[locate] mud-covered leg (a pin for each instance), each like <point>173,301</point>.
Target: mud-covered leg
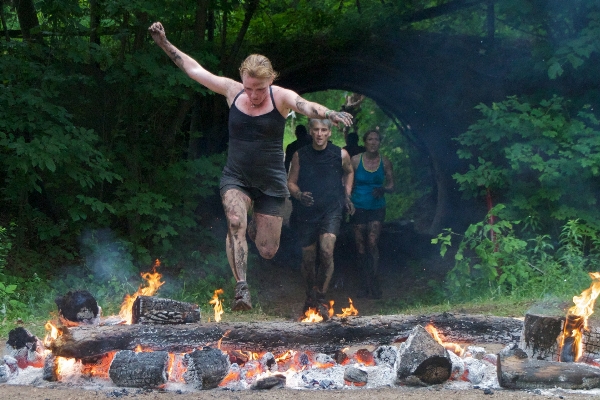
<point>374,229</point>
<point>236,205</point>
<point>267,233</point>
<point>308,269</point>
<point>362,259</point>
<point>326,246</point>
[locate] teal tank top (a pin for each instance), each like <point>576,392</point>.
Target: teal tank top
<point>364,183</point>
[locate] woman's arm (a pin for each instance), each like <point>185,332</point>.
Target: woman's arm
<point>389,176</point>
<point>218,84</point>
<point>303,197</point>
<point>292,100</point>
<point>348,180</point>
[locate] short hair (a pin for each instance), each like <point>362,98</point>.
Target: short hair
<point>366,135</point>
<point>301,131</point>
<point>325,122</point>
<point>257,66</point>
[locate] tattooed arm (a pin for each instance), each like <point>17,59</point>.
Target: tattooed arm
<point>218,84</point>
<point>291,100</point>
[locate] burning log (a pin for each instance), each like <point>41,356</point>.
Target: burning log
<point>422,357</point>
<point>540,336</point>
<point>356,376</point>
<point>155,310</point>
<point>516,371</point>
<point>50,372</point>
<point>78,307</point>
<point>25,347</point>
<point>141,370</point>
<point>206,368</point>
<point>82,342</point>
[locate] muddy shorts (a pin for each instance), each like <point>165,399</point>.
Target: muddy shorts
<point>262,203</point>
<point>363,217</point>
<point>309,232</point>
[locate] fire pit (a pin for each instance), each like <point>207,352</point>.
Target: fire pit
<point>164,344</point>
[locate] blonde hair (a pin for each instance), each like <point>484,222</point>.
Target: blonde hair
<point>257,66</point>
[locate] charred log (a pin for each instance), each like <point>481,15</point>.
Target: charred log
<point>270,382</point>
<point>155,310</point>
<point>50,372</point>
<point>326,337</point>
<point>141,370</point>
<point>206,368</point>
<point>540,334</point>
<point>515,373</point>
<point>423,358</point>
<point>78,307</point>
<point>25,347</point>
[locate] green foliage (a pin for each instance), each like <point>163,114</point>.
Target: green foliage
<point>493,261</point>
<point>541,160</point>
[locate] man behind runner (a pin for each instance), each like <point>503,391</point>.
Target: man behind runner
<point>254,175</point>
<point>320,178</point>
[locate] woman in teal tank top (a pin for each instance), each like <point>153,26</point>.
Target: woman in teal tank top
<point>373,177</point>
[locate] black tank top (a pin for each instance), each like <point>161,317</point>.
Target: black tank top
<point>255,156</point>
<point>321,174</point>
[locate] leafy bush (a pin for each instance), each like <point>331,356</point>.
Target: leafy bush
<point>538,158</point>
<point>493,261</point>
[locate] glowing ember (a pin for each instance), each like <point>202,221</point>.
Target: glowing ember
<point>153,283</point>
<point>365,357</point>
<point>312,315</point>
<point>331,303</point>
<point>454,347</point>
<point>99,367</point>
<point>576,321</point>
<point>176,367</point>
<point>217,304</point>
<point>346,312</point>
<point>285,356</point>
<point>67,367</point>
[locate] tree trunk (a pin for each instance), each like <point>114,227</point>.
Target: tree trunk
<point>514,373</point>
<point>28,20</point>
<point>94,22</point>
<point>250,10</point>
<point>325,337</point>
<point>3,20</point>
<point>200,20</point>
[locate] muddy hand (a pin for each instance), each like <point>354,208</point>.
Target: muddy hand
<point>157,32</point>
<point>341,116</point>
<point>306,199</point>
<point>350,207</point>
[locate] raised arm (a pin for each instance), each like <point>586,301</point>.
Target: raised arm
<point>218,84</point>
<point>348,179</point>
<point>292,100</point>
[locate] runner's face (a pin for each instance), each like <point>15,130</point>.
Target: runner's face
<point>257,89</point>
<point>372,143</point>
<point>320,134</point>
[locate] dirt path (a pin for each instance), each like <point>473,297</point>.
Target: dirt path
<point>432,393</point>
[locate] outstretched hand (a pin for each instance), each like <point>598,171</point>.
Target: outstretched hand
<point>157,32</point>
<point>340,116</point>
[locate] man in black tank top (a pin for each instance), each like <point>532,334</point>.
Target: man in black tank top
<point>320,178</point>
<point>254,176</point>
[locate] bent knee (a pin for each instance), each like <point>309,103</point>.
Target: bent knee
<point>268,251</point>
<point>236,224</point>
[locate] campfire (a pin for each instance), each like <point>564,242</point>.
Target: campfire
<point>163,343</point>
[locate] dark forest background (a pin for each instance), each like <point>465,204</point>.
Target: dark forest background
<point>110,156</point>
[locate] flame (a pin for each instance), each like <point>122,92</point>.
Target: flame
<point>346,312</point>
<point>176,367</point>
<point>285,356</point>
<point>153,283</point>
<point>454,347</point>
<point>67,367</point>
<point>312,315</point>
<point>100,367</point>
<point>217,304</point>
<point>52,335</point>
<point>331,303</point>
<point>576,322</point>
<point>233,375</point>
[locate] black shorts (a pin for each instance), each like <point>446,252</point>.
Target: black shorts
<point>263,203</point>
<point>363,217</point>
<point>309,232</point>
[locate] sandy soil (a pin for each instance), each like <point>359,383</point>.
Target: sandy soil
<point>431,393</point>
